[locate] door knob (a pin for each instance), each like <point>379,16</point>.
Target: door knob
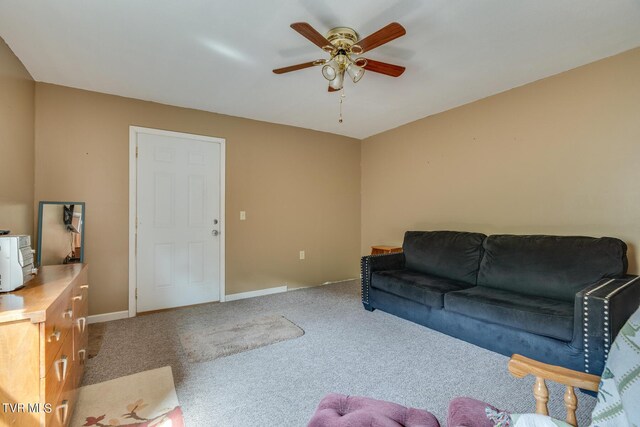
<point>215,232</point>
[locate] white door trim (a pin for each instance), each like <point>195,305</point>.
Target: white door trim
<point>133,174</point>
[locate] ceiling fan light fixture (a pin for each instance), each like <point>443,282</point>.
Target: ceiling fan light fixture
<point>355,72</point>
<point>341,58</point>
<point>344,47</point>
<point>338,81</point>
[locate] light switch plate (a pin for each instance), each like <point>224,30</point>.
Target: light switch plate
<point>301,254</point>
<point>243,215</point>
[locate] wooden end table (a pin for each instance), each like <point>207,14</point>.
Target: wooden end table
<point>383,249</point>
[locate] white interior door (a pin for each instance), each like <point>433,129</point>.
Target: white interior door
<point>178,221</point>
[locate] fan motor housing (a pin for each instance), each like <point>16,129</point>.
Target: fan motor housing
<point>342,37</point>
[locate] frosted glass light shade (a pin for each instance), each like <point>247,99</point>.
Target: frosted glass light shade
<point>355,72</point>
<point>338,81</point>
<point>330,70</point>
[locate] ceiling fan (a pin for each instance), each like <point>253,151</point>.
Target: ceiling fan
<point>344,47</point>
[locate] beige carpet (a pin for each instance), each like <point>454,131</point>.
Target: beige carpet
<point>96,336</point>
<point>144,399</point>
<point>345,349</point>
<point>202,342</point>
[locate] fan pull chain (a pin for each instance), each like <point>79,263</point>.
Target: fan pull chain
<point>341,99</point>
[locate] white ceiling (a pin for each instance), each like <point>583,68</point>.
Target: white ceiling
<point>217,55</point>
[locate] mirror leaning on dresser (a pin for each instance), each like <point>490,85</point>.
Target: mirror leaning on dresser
<point>60,233</point>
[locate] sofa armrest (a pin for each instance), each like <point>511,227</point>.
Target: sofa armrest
<point>371,263</point>
<point>601,310</point>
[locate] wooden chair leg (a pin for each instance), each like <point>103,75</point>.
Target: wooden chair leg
<point>541,393</point>
<point>571,403</point>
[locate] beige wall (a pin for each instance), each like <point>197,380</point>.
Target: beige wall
<point>16,143</point>
<point>300,189</point>
<point>557,156</point>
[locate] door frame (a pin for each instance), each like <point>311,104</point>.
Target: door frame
<point>134,131</point>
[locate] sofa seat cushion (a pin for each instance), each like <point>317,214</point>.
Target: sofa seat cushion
<point>537,315</point>
<point>415,286</point>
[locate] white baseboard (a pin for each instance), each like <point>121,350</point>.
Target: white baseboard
<point>340,281</point>
<point>252,294</point>
<point>323,284</point>
<point>105,317</point>
<point>117,315</point>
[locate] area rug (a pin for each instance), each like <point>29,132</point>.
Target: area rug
<point>144,399</point>
<point>202,343</point>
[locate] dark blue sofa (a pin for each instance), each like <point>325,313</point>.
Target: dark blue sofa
<point>557,299</point>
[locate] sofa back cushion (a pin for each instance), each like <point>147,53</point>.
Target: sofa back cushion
<point>450,254</point>
<point>550,266</point>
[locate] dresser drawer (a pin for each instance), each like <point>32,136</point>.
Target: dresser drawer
<point>80,351</point>
<point>80,304</point>
<point>60,373</point>
<point>80,314</point>
<point>80,297</point>
<point>58,324</point>
<point>80,326</point>
<point>81,284</point>
<point>80,339</point>
<point>81,317</point>
<point>62,406</point>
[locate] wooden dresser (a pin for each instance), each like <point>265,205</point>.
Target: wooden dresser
<point>43,341</point>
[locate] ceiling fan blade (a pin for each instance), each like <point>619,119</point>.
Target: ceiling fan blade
<point>312,35</point>
<point>380,37</point>
<point>296,67</point>
<point>384,68</point>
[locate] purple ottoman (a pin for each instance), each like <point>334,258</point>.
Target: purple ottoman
<point>338,410</point>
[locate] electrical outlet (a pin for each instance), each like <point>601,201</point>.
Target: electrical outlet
<point>243,215</point>
<point>301,254</point>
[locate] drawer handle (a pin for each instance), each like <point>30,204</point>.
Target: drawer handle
<point>62,361</point>
<point>68,313</point>
<point>55,335</point>
<point>83,354</point>
<point>82,322</point>
<point>77,298</point>
<point>84,286</point>
<point>63,408</point>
